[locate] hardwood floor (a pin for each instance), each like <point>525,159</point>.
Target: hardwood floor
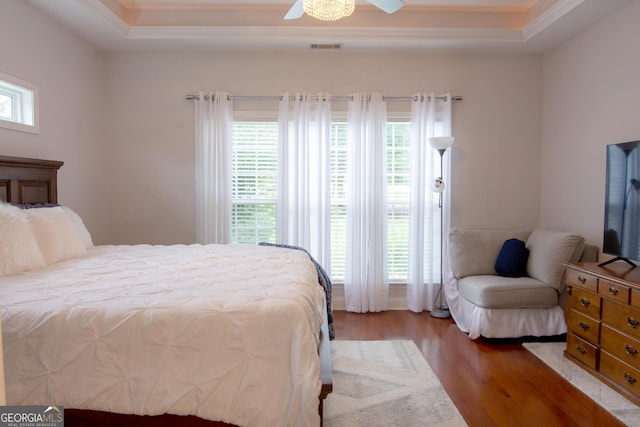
<point>492,384</point>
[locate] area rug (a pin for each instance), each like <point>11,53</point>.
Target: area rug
<point>385,383</point>
<point>620,407</point>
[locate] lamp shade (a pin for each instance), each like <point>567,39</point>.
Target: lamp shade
<point>441,142</point>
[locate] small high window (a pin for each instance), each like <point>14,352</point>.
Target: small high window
<point>18,104</point>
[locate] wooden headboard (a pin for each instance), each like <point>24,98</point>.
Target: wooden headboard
<point>28,180</point>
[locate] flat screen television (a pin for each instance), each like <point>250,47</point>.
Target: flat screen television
<point>622,203</point>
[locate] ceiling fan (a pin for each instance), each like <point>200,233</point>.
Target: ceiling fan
<point>390,6</point>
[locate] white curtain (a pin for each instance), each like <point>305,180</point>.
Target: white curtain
<point>366,273</point>
<point>304,206</point>
<point>430,116</point>
<point>213,130</point>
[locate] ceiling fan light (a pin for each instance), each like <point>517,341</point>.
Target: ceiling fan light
<point>329,10</point>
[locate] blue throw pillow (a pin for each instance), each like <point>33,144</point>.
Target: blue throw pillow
<point>512,259</point>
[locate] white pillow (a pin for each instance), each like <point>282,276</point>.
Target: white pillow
<point>548,251</point>
<point>19,250</point>
<point>55,234</point>
<point>78,224</point>
<point>473,252</point>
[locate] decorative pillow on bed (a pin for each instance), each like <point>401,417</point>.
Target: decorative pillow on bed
<point>512,259</point>
<point>78,224</point>
<point>19,250</point>
<point>55,234</point>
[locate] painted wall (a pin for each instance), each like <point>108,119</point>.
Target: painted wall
<point>496,157</point>
<point>71,82</point>
<point>591,93</point>
<point>125,131</point>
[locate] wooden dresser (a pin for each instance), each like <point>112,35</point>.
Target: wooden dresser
<point>603,323</point>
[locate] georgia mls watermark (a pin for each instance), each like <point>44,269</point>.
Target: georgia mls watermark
<point>31,416</point>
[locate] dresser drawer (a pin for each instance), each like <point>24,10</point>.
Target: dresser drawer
<point>621,373</point>
<point>585,302</point>
<point>582,350</point>
<point>635,298</point>
<point>615,291</point>
<point>621,317</point>
<point>581,280</point>
<point>584,326</point>
<point>621,346</point>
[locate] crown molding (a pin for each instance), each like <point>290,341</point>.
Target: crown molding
<point>549,16</point>
<point>111,26</point>
<point>320,33</point>
<point>107,15</point>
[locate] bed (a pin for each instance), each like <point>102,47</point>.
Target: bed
<point>141,334</point>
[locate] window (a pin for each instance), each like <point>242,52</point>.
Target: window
<point>255,186</point>
<point>339,135</point>
<point>398,178</point>
<point>254,182</point>
<point>18,104</point>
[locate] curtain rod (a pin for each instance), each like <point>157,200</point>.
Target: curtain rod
<point>336,98</point>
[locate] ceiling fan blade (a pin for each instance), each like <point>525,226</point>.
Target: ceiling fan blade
<point>389,6</point>
<point>296,11</point>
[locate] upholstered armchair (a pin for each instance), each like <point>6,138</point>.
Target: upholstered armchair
<point>526,295</point>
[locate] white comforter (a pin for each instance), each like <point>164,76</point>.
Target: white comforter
<point>223,332</point>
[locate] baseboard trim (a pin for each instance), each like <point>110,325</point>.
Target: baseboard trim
<point>397,297</point>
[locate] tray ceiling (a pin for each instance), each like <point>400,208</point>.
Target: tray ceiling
<point>514,26</point>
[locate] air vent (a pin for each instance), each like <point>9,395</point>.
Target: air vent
<point>326,45</point>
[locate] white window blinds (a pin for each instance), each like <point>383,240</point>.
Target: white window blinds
<point>254,182</point>
<point>255,187</point>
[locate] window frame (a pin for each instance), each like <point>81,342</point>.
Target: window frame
<point>25,104</point>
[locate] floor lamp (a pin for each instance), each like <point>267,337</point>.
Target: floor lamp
<point>440,143</point>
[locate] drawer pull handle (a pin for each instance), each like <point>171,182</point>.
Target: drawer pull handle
<point>613,291</point>
<point>630,350</point>
<point>632,322</point>
<point>580,350</point>
<point>583,326</point>
<point>585,302</point>
<point>628,378</point>
<point>582,280</point>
